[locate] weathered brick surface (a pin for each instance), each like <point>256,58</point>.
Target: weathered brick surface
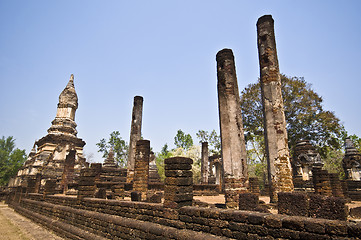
<point>278,158</point>
<point>49,187</point>
<point>321,182</point>
<point>140,220</point>
<point>327,207</point>
<point>293,203</point>
<point>248,201</point>
<point>178,188</point>
<point>135,135</point>
<point>141,168</point>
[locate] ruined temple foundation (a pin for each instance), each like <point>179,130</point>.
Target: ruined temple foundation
<point>141,168</point>
<point>276,141</point>
<point>234,155</point>
<point>135,135</point>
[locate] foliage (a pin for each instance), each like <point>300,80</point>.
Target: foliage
<point>333,162</point>
<point>182,140</point>
<point>11,159</point>
<point>164,154</point>
<point>305,117</point>
<point>213,140</point>
<point>356,141</point>
<point>120,148</point>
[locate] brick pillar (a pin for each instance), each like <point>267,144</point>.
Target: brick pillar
<point>204,163</point>
<point>276,142</point>
<point>135,135</point>
<point>68,171</point>
<point>86,184</point>
<point>234,155</point>
<point>178,188</point>
<point>141,168</point>
<point>336,185</point>
<point>97,170</point>
<point>254,185</point>
<point>321,182</point>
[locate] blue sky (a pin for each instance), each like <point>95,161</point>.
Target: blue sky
<point>164,51</point>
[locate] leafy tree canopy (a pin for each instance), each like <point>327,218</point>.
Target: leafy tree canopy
<point>120,148</point>
<point>305,116</point>
<point>11,159</point>
<point>182,140</point>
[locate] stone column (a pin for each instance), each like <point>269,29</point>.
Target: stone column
<point>141,168</point>
<point>234,154</point>
<point>178,187</point>
<point>135,135</point>
<point>276,142</point>
<point>204,163</point>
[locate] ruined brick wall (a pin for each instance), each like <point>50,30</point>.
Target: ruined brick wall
<point>111,219</point>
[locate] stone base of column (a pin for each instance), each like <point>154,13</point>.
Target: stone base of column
<point>232,188</point>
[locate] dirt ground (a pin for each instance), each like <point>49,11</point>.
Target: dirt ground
<point>16,227</point>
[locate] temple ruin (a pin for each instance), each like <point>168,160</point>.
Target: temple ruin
<point>59,155</point>
<point>57,188</point>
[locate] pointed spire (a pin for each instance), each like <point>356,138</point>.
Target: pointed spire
<point>109,162</point>
<point>64,122</point>
<point>71,82</point>
<point>68,96</point>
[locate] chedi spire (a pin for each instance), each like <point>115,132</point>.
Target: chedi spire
<point>68,103</point>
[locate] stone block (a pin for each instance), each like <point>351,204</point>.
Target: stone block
<point>178,160</point>
<point>178,173</point>
<point>327,207</point>
<point>178,166</point>
<point>248,201</point>
<point>180,181</point>
<point>293,203</point>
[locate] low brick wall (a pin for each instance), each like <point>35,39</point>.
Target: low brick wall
<point>138,220</point>
<point>206,189</point>
<point>83,224</point>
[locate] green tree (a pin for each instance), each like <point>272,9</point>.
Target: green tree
<point>356,141</point>
<point>182,140</point>
<point>11,159</point>
<point>164,154</point>
<point>212,138</point>
<point>120,148</point>
<point>305,117</point>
